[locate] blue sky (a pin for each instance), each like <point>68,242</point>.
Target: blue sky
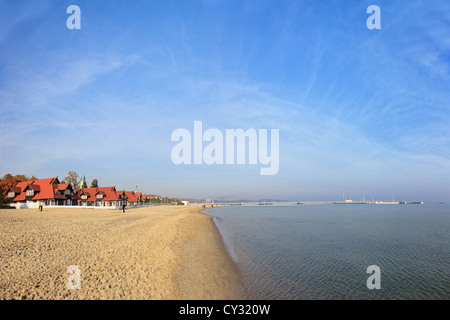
<point>360,112</point>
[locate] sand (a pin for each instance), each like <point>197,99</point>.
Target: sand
<point>167,252</point>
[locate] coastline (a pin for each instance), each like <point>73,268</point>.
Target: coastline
<point>207,270</point>
<point>157,253</point>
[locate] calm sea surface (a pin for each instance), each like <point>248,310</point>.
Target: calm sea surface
<point>323,251</point>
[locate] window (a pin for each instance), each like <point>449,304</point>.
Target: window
<point>30,192</point>
<point>84,197</point>
<point>11,194</point>
<point>99,196</point>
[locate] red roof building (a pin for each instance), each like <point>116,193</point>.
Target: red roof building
<point>50,192</point>
<point>34,193</point>
<point>104,197</point>
<point>132,198</point>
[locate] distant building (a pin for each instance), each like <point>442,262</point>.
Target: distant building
<point>83,183</point>
<point>33,193</point>
<point>98,197</point>
<point>50,192</point>
<point>132,198</point>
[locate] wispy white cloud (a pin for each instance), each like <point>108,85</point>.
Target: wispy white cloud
<point>18,13</point>
<point>353,107</point>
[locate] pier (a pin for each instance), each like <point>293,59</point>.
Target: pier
<point>295,203</point>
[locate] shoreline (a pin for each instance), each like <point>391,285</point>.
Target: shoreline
<point>225,273</point>
<point>156,253</point>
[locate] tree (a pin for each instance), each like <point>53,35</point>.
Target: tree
<point>9,181</point>
<point>21,178</point>
<point>73,178</point>
<point>94,183</point>
<point>3,200</point>
<point>154,200</point>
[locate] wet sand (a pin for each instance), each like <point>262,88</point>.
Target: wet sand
<point>167,252</point>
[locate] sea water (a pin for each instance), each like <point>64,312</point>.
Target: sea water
<point>323,251</point>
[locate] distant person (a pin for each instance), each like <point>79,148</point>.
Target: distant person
<point>123,208</point>
<point>40,207</point>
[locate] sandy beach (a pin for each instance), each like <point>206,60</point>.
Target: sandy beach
<point>167,252</point>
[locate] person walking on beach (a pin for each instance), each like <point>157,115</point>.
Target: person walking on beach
<point>40,207</point>
<point>123,207</point>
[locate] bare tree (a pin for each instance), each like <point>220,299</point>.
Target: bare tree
<point>73,178</point>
